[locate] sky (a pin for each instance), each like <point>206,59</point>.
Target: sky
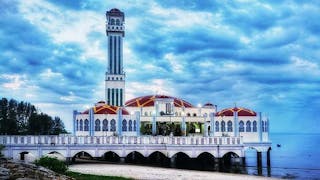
<point>261,55</point>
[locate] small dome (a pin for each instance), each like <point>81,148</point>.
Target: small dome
<point>146,101</point>
<point>208,105</point>
<point>241,112</point>
<point>106,109</point>
<point>114,10</point>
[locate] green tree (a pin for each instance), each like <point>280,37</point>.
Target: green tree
<point>3,116</point>
<point>58,126</point>
<point>52,163</point>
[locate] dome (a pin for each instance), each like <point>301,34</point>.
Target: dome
<point>241,112</point>
<point>208,104</point>
<point>146,101</point>
<point>106,109</point>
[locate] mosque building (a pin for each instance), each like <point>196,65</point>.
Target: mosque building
<point>160,115</point>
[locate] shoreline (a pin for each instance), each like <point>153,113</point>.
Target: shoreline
<point>159,173</point>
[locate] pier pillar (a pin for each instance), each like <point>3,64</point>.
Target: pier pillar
<point>173,162</point>
<point>268,158</point>
<point>259,163</point>
<point>122,160</point>
<point>217,164</point>
<point>69,160</point>
<point>243,161</point>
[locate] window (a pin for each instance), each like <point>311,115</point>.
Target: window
<point>241,126</point>
<point>77,125</point>
<point>145,114</point>
<point>97,125</point>
<point>81,125</point>
<point>188,114</point>
<point>130,125</point>
<point>124,125</point>
<point>112,22</point>
<point>223,126</point>
<point>254,128</point>
<point>118,22</point>
<point>267,126</point>
<point>134,125</point>
<point>263,126</point>
<point>248,126</point>
<point>105,125</point>
<point>229,126</point>
<point>86,125</point>
<point>194,114</point>
<point>217,126</point>
<point>113,125</point>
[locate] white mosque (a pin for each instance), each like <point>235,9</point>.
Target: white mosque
<point>158,115</point>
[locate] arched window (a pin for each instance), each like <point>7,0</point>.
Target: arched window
<point>97,126</point>
<point>263,126</point>
<point>130,125</point>
<point>124,125</point>
<point>254,128</point>
<point>77,125</point>
<point>105,125</point>
<point>248,126</point>
<point>267,126</point>
<point>188,114</point>
<point>118,22</point>
<point>223,126</point>
<point>112,22</point>
<point>81,125</point>
<point>217,126</point>
<point>194,114</point>
<point>241,126</point>
<point>134,125</point>
<point>86,125</point>
<point>145,114</point>
<point>113,125</point>
<point>229,126</point>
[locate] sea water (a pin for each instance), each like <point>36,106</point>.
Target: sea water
<point>298,157</point>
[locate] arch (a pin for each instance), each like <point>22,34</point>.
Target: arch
<point>248,126</point>
<point>254,126</point>
<point>112,21</point>
<point>229,159</point>
<point>118,22</point>
<point>241,126</point>
<point>97,126</point>
<point>111,156</point>
<point>105,125</point>
<point>56,154</point>
<point>217,126</point>
<point>231,153</point>
<point>130,125</point>
<point>113,125</point>
<point>135,157</point>
<point>134,125</point>
<point>223,126</point>
<point>82,155</point>
<point>86,125</point>
<point>158,158</point>
<point>205,161</point>
<point>182,160</point>
<point>81,125</point>
<point>124,125</point>
<point>229,126</point>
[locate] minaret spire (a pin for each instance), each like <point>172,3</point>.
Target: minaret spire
<point>115,76</point>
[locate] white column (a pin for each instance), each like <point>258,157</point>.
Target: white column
<point>259,127</point>
<point>212,128</point>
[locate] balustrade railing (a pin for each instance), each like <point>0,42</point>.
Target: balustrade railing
<point>146,140</point>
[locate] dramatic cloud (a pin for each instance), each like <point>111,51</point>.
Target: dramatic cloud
<point>260,55</point>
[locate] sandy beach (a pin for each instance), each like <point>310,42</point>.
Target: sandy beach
<point>154,173</point>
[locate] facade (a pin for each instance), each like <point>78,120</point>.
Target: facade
<point>158,114</point>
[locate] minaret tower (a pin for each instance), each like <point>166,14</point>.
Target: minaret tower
<point>115,77</point>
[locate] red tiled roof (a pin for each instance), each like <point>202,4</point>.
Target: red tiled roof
<point>146,101</point>
<point>106,109</point>
<point>241,112</point>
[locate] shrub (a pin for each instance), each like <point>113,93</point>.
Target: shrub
<point>53,164</point>
<point>1,148</point>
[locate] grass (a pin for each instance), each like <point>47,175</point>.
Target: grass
<point>80,176</point>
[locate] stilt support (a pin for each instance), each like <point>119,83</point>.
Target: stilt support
<point>259,163</point>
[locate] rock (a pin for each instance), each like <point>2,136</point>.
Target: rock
<point>10,169</point>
